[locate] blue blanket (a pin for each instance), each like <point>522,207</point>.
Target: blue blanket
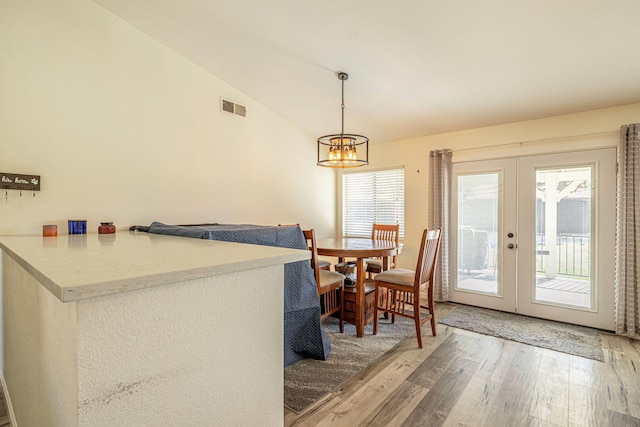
<point>303,335</point>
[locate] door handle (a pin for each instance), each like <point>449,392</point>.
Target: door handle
<point>512,246</point>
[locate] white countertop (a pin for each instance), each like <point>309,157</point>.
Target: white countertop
<point>75,267</point>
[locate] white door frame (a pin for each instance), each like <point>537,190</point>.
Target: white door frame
<point>505,299</point>
<point>602,244</point>
<point>518,214</point>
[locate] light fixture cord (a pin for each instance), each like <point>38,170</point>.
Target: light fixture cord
<point>342,106</point>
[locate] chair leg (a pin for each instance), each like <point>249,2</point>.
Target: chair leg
<point>433,325</point>
<point>375,310</point>
<point>431,312</point>
<point>392,295</point>
<point>381,301</point>
<point>341,290</point>
<point>416,316</point>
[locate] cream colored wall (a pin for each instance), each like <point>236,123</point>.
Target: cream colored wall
<point>121,128</point>
<point>154,356</point>
<point>591,129</point>
<point>182,354</point>
<point>41,356</point>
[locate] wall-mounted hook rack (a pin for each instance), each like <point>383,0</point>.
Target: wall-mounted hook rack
<point>16,181</point>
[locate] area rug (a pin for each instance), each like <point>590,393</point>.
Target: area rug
<point>557,336</point>
<point>309,380</point>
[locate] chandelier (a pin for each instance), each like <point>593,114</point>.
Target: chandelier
<point>343,150</point>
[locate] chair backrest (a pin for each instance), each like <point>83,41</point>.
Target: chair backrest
<point>389,232</point>
<point>310,235</point>
<point>386,232</point>
<point>427,257</point>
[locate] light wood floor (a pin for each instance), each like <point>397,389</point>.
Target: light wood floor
<point>461,378</point>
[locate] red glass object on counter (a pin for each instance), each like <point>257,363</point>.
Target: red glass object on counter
<point>106,228</point>
<point>49,230</point>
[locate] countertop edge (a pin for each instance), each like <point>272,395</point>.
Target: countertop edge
<point>98,289</point>
<point>129,282</point>
<point>50,285</point>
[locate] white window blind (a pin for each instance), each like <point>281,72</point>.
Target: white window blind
<point>372,197</point>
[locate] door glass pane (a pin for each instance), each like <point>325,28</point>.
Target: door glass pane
<point>478,203</point>
<point>563,236</point>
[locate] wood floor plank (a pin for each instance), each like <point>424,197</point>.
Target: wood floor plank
<point>535,422</point>
<point>435,407</point>
<point>610,342</point>
<point>406,351</point>
<point>365,400</point>
<point>474,405</point>
<point>432,367</point>
<point>587,372</point>
<point>635,343</point>
<point>630,347</point>
<point>455,346</point>
<point>396,407</point>
<point>513,403</point>
<point>316,414</point>
<point>495,358</point>
<point>550,402</point>
<point>473,408</point>
<point>623,420</point>
<point>587,407</point>
<point>622,383</point>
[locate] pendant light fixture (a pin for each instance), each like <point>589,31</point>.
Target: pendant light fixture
<point>343,150</point>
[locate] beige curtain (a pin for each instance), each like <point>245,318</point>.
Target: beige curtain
<point>440,216</point>
<point>628,233</point>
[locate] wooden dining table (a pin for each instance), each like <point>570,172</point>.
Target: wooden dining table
<point>360,249</point>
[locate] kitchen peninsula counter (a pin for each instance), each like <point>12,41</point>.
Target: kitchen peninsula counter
<point>141,329</point>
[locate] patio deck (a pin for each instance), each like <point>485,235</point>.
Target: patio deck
<point>560,290</point>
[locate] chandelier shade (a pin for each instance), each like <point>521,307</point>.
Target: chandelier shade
<point>343,150</point>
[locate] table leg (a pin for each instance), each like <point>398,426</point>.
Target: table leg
<point>360,279</point>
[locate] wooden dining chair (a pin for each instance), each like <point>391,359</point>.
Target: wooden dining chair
<point>402,287</point>
<point>390,232</point>
<point>330,284</point>
<point>322,264</point>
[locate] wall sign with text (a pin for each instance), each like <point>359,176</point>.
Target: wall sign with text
<point>15,181</point>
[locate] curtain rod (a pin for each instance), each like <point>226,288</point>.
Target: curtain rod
<point>537,141</point>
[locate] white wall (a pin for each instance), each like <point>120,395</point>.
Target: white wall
<point>43,368</point>
<point>121,128</point>
<point>148,357</point>
<point>592,129</point>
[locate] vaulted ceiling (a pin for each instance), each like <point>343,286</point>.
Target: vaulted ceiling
<point>416,67</point>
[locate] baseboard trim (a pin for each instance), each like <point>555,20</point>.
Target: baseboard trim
<point>7,400</point>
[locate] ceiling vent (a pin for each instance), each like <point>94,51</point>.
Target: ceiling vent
<point>233,108</point>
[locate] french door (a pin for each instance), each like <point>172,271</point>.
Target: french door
<point>536,235</point>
